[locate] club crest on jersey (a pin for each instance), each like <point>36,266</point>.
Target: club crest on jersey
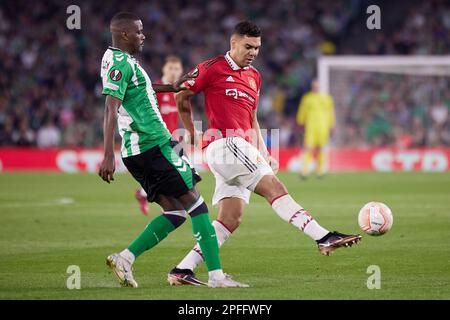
<point>252,83</point>
<point>115,75</point>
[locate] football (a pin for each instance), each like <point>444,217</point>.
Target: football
<point>375,218</point>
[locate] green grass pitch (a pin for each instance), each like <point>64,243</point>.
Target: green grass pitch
<point>51,221</point>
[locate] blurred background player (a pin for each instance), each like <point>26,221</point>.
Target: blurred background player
<point>171,71</point>
<point>316,116</point>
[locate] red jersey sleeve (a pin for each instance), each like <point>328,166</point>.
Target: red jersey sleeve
<point>200,83</point>
<point>259,82</point>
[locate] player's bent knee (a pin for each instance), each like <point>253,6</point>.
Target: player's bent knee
<point>231,222</point>
<point>199,207</point>
<point>177,218</point>
<point>270,187</point>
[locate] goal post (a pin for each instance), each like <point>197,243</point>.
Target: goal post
<point>378,99</point>
<point>417,65</point>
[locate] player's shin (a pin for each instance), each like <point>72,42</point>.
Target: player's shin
<point>206,237</point>
<point>195,257</point>
<point>321,162</point>
<point>307,159</point>
<point>156,231</point>
<point>290,211</point>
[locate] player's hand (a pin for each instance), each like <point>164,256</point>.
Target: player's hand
<point>178,85</point>
<point>107,168</point>
<point>274,164</point>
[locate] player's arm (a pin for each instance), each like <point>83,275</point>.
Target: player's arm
<point>177,86</point>
<point>183,100</point>
<point>261,145</point>
<point>115,77</point>
<point>107,167</point>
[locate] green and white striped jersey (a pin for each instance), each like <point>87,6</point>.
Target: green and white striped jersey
<point>140,124</point>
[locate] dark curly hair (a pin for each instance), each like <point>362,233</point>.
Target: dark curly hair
<point>247,28</point>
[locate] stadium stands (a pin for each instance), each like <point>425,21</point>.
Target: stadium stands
<point>49,75</point>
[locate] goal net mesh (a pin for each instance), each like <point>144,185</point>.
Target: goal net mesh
<point>389,102</point>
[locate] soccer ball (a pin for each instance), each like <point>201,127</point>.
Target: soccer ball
<point>375,218</point>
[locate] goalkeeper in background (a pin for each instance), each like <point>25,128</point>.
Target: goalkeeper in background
<point>316,115</point>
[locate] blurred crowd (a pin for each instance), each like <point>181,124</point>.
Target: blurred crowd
<point>50,89</point>
<point>392,109</point>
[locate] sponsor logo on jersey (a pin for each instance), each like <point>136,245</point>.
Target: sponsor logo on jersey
<point>231,93</point>
<point>115,75</point>
<point>235,94</point>
<point>230,79</point>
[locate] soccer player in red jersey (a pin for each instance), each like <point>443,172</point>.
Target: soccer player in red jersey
<point>235,150</point>
<point>171,71</point>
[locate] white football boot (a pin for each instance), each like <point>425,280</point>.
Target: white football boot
<point>123,270</point>
<point>226,282</point>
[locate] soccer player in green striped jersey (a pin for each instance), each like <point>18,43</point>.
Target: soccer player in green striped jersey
<point>148,153</point>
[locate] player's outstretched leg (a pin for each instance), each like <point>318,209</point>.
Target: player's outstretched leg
<point>183,273</point>
<point>290,211</point>
<point>158,229</point>
<point>231,209</point>
<point>206,238</point>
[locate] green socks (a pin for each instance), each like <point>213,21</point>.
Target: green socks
<point>161,226</point>
<point>155,232</point>
<point>205,235</point>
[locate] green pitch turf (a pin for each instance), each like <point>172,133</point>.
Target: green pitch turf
<point>51,221</point>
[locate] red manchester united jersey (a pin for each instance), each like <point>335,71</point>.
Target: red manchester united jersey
<point>168,108</point>
<point>231,96</point>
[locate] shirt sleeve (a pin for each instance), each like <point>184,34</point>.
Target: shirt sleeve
<point>116,78</point>
<point>201,82</point>
<point>258,92</point>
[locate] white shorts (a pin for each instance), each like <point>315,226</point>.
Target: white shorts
<point>237,167</point>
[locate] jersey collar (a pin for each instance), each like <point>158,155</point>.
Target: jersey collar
<point>233,64</point>
<point>114,48</point>
<point>117,49</point>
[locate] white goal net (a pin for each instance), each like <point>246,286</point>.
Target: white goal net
<point>389,101</point>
